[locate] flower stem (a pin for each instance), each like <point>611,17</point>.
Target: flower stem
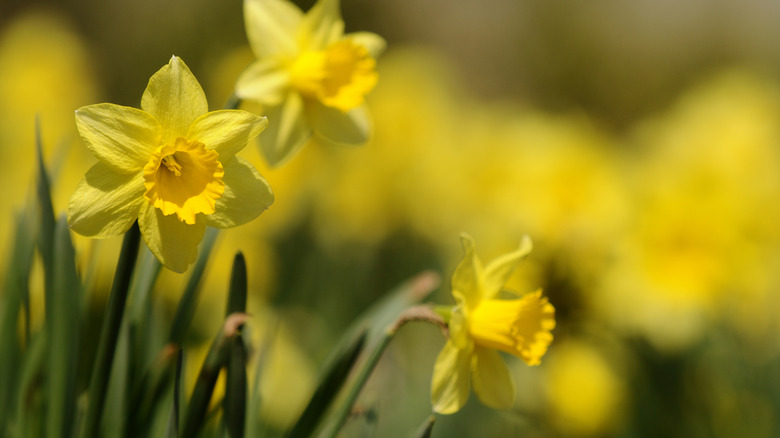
<point>233,102</point>
<point>417,313</point>
<point>110,331</point>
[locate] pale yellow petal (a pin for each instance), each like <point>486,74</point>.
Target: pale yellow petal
<point>458,325</point>
<point>120,136</point>
<point>491,380</point>
<point>498,271</point>
<point>322,25</point>
<point>271,26</point>
<point>226,131</point>
<point>466,279</point>
<point>374,43</point>
<point>105,203</point>
<point>175,98</point>
<point>174,243</point>
<point>450,385</point>
<point>246,195</point>
<point>288,130</point>
<point>265,80</point>
<point>335,126</point>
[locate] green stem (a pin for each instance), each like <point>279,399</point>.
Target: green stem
<point>418,313</point>
<point>233,102</point>
<point>360,381</point>
<point>109,333</point>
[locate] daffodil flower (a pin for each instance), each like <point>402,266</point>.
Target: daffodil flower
<point>310,77</point>
<point>171,165</point>
<point>481,325</point>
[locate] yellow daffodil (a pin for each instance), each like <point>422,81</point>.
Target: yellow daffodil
<point>481,325</point>
<point>171,165</point>
<point>310,77</point>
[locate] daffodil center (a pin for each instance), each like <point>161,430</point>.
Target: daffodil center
<point>339,76</point>
<point>169,161</point>
<point>520,327</point>
<point>184,178</point>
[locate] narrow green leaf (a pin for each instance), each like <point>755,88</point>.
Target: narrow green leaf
<point>234,404</point>
<point>189,299</point>
<point>334,425</point>
<point>387,310</point>
<point>173,423</point>
<point>63,335</point>
<point>46,233</point>
<point>382,320</point>
<point>29,395</point>
<point>238,286</point>
<point>15,292</point>
<point>113,423</point>
<point>209,372</point>
<point>427,428</point>
<point>337,369</point>
<point>110,331</point>
<point>149,392</point>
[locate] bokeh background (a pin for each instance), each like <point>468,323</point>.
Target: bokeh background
<point>637,143</point>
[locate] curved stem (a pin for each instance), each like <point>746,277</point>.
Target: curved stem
<point>417,313</point>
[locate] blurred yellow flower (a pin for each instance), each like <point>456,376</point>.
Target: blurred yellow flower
<point>701,242</point>
<point>309,75</point>
<point>481,324</point>
<point>170,165</point>
<point>585,392</point>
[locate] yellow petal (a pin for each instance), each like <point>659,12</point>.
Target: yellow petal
<point>498,271</point>
<point>120,136</point>
<point>174,243</point>
<point>458,325</point>
<point>335,126</point>
<point>287,132</point>
<point>450,385</point>
<point>105,203</point>
<point>271,26</point>
<point>491,379</point>
<point>246,195</point>
<point>226,131</point>
<point>322,25</point>
<point>175,98</point>
<point>467,276</point>
<point>264,81</point>
<point>374,43</point>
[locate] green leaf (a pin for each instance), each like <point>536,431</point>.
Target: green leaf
<point>15,292</point>
<point>173,423</point>
<point>46,232</point>
<point>62,328</point>
<point>109,333</point>
<point>382,321</point>
<point>337,369</point>
<point>234,403</point>
<point>207,378</point>
<point>150,391</point>
<point>238,286</point>
<point>29,396</point>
